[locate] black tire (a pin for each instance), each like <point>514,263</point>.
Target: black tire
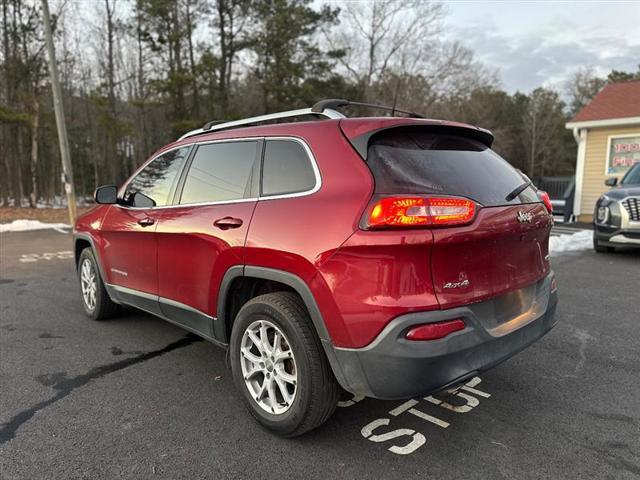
<point>317,391</point>
<point>601,248</point>
<point>104,307</point>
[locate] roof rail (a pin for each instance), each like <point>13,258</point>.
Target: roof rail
<point>333,103</point>
<point>324,108</point>
<point>222,125</point>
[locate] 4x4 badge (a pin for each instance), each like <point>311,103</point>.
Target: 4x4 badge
<point>524,217</point>
<point>462,283</point>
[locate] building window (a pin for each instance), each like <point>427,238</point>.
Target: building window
<point>623,152</point>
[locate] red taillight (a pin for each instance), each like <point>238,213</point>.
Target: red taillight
<point>544,196</point>
<point>419,211</point>
<point>434,331</point>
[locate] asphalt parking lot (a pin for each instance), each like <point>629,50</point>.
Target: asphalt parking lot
<point>136,397</point>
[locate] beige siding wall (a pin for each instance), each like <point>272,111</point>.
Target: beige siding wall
<point>594,166</point>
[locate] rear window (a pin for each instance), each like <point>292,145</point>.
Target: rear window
<point>415,160</point>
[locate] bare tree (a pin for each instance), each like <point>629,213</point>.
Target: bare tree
<point>543,131</point>
<point>384,35</point>
<point>195,96</point>
<point>231,21</point>
<point>395,53</point>
<point>581,87</point>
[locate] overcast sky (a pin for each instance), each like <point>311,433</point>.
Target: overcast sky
<point>533,43</point>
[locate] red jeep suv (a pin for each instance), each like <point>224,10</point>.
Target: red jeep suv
<point>389,256</point>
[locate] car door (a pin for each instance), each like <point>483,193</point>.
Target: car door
<point>130,252</point>
<point>204,232</point>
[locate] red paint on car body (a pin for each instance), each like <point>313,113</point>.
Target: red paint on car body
<point>360,280</point>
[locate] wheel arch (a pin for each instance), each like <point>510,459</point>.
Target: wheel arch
<point>295,283</point>
<point>79,245</point>
<point>222,324</point>
<point>82,241</point>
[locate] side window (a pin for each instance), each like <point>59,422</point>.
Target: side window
<point>286,169</point>
<point>219,172</point>
<point>156,180</point>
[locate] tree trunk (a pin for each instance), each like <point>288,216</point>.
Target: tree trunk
<point>35,123</point>
<point>6,195</point>
<point>532,160</point>
<point>192,64</point>
<point>177,55</point>
<point>19,156</point>
<point>6,130</point>
<point>141,94</point>
<point>222,72</point>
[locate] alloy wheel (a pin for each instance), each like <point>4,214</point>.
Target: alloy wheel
<point>268,367</point>
<point>88,284</point>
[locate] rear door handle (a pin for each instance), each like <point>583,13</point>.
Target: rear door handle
<point>146,222</point>
<point>227,223</point>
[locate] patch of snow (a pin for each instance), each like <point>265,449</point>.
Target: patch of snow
<point>55,202</point>
<point>582,240</point>
<point>26,225</point>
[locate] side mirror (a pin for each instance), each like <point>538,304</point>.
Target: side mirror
<point>140,200</point>
<point>107,194</point>
<point>611,182</point>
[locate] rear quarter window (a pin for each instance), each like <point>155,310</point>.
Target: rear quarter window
<point>418,161</point>
<point>286,168</point>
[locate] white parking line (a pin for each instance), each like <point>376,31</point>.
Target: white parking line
<point>472,403</point>
<point>352,401</point>
<point>475,392</point>
<point>36,257</point>
<point>407,406</point>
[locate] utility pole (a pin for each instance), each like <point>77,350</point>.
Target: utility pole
<point>67,170</point>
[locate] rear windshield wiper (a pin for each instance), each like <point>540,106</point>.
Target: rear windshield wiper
<point>518,190</point>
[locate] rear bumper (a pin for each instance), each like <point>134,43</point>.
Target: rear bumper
<point>392,367</point>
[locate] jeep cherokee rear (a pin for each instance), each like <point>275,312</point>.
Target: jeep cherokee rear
<point>390,256</point>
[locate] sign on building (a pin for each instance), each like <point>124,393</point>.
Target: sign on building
<point>623,152</point>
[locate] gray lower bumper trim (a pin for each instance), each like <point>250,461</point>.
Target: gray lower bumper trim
<point>392,367</point>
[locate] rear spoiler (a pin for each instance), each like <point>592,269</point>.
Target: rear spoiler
<point>360,130</point>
